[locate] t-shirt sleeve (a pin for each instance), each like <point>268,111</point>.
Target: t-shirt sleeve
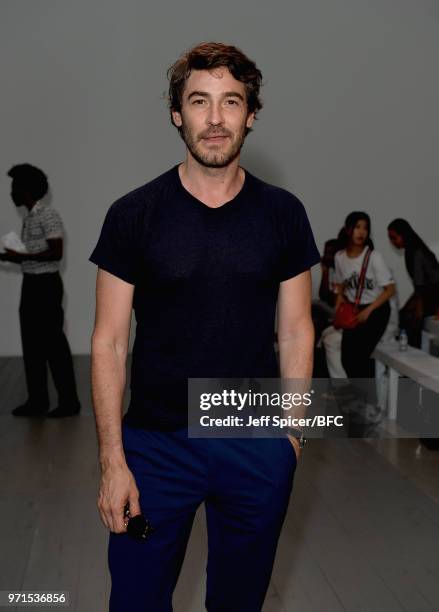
<point>299,252</point>
<point>117,248</point>
<point>52,224</point>
<point>382,272</point>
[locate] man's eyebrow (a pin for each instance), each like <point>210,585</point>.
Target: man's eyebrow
<point>234,94</point>
<point>198,93</point>
<point>205,94</point>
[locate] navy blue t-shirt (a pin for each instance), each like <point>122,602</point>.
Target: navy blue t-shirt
<point>206,284</point>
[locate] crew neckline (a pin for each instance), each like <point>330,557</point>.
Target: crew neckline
<point>230,204</point>
<point>357,256</point>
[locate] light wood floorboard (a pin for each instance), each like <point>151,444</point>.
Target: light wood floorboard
<point>361,532</point>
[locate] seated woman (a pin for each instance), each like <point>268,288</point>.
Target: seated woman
<point>423,268</point>
<point>359,342</point>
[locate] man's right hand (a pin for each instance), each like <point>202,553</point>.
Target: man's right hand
<point>117,488</point>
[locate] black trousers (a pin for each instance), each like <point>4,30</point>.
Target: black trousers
<point>357,400</point>
<point>245,486</point>
<point>44,341</point>
<point>358,344</point>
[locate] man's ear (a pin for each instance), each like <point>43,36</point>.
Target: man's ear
<point>176,118</point>
<point>250,120</point>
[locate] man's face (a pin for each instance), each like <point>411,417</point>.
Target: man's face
<point>19,195</point>
<point>214,116</point>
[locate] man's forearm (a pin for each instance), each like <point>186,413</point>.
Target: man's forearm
<point>296,362</point>
<point>18,258</point>
<point>108,374</point>
<point>47,255</point>
<point>296,353</point>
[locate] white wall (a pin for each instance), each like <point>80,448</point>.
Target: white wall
<point>350,119</point>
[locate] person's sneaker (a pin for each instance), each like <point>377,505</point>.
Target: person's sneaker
<point>64,411</point>
<point>30,410</point>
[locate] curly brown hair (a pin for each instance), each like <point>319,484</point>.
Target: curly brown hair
<point>210,55</point>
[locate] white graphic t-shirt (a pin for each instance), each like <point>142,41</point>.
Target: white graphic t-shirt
<point>347,273</point>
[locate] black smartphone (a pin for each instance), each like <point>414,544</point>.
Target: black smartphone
<point>138,527</point>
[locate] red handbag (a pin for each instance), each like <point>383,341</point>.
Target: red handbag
<point>346,313</point>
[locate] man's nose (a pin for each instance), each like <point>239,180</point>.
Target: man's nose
<point>215,114</point>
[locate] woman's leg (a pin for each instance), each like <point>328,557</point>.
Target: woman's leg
<point>359,343</point>
<point>331,339</point>
<point>357,347</point>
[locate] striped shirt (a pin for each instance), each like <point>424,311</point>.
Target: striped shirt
<point>41,223</point>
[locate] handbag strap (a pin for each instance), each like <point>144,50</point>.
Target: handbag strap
<point>362,277</point>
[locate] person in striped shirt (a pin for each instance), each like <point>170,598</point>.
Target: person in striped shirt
<point>41,311</point>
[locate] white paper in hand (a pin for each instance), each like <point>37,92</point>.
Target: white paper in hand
<point>13,242</point>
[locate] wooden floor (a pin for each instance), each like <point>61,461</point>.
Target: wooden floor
<point>361,534</point>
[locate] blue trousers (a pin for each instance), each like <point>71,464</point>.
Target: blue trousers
<point>245,485</point>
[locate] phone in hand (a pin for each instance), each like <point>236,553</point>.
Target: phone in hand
<point>138,527</point>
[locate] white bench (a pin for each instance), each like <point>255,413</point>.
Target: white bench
<point>414,363</point>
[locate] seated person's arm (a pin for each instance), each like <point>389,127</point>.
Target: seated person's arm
<point>384,296</point>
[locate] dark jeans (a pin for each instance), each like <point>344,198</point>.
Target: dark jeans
<point>359,343</point>
<point>43,340</point>
<point>245,485</point>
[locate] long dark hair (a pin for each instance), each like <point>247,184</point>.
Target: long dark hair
<point>349,225</point>
<point>412,243</point>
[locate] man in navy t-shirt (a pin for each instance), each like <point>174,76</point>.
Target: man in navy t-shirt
<point>203,254</point>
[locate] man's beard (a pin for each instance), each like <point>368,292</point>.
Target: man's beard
<point>213,159</point>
